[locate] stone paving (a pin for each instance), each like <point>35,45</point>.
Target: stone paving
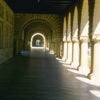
<point>40,76</point>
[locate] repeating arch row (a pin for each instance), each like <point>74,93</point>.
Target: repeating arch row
<point>81,47</point>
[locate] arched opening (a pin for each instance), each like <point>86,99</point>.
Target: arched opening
<point>37,40</point>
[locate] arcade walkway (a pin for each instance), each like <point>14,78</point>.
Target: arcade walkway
<point>40,76</point>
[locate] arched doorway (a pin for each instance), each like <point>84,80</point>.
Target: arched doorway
<point>38,41</point>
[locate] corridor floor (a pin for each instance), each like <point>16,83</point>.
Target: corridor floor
<point>40,76</point>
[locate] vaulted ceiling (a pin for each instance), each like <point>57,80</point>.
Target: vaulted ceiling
<point>40,6</point>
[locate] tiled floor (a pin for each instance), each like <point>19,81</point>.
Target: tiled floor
<point>40,76</point>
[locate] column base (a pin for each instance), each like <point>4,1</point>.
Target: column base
<point>68,61</point>
<point>51,52</point>
<point>84,70</point>
<point>74,65</point>
<point>95,77</point>
<point>63,58</point>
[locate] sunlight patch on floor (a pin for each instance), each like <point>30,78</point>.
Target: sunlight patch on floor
<point>61,61</point>
<point>86,80</point>
<point>95,92</point>
<point>74,71</point>
<point>83,79</point>
<point>51,52</point>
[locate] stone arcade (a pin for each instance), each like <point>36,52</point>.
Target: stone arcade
<point>73,36</point>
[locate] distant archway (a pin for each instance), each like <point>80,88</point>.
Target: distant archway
<point>38,40</point>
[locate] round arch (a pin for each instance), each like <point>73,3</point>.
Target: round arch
<point>38,34</point>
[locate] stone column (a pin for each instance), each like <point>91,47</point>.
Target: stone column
<point>51,47</point>
<point>84,68</point>
<point>69,56</point>
<point>57,48</point>
<point>75,58</point>
<point>64,39</point>
<point>75,48</point>
<point>83,16</point>
<point>65,51</point>
<point>61,49</point>
<point>69,39</point>
<point>95,63</point>
<point>95,75</point>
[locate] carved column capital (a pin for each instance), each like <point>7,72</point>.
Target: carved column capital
<point>84,39</point>
<point>96,38</point>
<point>75,39</point>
